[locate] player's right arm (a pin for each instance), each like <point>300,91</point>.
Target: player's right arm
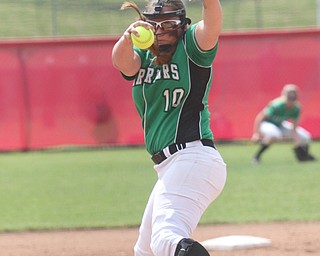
<point>124,57</point>
<point>256,125</point>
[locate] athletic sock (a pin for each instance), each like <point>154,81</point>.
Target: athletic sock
<point>263,147</point>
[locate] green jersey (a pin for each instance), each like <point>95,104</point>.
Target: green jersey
<point>277,112</point>
<point>172,99</point>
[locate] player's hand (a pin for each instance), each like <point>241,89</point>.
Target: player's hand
<point>131,29</point>
<point>255,137</point>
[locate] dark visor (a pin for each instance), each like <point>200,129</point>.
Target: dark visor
<point>155,15</point>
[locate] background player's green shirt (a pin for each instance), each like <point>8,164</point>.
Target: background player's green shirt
<point>277,112</point>
<point>172,99</point>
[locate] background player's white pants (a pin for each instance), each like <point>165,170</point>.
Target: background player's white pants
<point>269,131</point>
<point>188,182</point>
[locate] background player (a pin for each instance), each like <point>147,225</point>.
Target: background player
<point>272,124</point>
<point>172,80</point>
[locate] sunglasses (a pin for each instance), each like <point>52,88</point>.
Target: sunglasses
<point>292,97</point>
<point>165,25</point>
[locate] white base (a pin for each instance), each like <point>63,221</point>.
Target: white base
<point>235,242</point>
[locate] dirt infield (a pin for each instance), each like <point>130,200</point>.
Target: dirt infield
<point>288,239</point>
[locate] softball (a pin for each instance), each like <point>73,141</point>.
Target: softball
<point>145,38</point>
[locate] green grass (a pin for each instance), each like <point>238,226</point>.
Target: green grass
<point>41,190</point>
<point>279,189</point>
<point>38,18</point>
<point>252,14</point>
<point>109,188</point>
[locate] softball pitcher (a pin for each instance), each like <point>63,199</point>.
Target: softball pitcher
<point>171,83</point>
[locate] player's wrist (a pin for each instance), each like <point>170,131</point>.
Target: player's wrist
<point>126,39</point>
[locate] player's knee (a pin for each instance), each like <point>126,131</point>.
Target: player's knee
<point>305,139</point>
<point>189,247</point>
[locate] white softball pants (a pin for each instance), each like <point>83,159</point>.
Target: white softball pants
<point>269,131</point>
<point>188,181</point>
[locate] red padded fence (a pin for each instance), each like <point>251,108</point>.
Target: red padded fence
<point>252,68</point>
<point>66,92</point>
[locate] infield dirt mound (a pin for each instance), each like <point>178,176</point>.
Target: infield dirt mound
<point>288,239</point>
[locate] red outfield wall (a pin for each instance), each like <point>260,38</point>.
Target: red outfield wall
<point>66,92</point>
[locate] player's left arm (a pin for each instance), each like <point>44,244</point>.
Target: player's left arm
<point>294,135</point>
<point>209,28</point>
<point>295,120</point>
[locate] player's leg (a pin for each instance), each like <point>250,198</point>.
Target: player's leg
<point>304,137</point>
<point>301,148</point>
<point>142,246</point>
<point>190,180</point>
<point>270,133</point>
